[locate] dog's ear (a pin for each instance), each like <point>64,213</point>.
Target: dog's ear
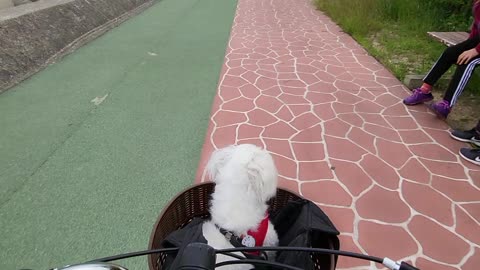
<point>217,161</point>
<point>262,176</point>
<point>256,184</point>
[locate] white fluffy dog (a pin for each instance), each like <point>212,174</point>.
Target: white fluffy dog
<point>246,178</point>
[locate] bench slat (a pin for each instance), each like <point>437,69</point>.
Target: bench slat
<point>449,38</point>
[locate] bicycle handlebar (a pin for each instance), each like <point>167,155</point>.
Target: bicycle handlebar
<point>200,256</point>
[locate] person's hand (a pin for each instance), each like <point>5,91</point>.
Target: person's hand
<point>466,56</point>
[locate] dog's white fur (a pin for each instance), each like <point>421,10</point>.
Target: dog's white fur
<point>246,178</point>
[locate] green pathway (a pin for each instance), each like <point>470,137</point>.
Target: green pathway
<point>80,180</point>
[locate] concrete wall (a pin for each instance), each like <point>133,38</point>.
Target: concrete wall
<point>37,34</point>
<point>6,4</point>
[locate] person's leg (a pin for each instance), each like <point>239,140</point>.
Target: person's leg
<point>459,81</point>
<point>447,59</point>
<point>457,85</point>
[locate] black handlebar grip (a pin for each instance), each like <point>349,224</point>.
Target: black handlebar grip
<point>197,256</point>
<point>406,266</point>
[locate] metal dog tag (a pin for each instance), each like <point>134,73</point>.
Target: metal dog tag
<point>248,241</point>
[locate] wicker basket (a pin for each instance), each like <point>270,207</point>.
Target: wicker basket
<point>194,202</point>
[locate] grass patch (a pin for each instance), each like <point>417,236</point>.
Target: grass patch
<point>402,51</point>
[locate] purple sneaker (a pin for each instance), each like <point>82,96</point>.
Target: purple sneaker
<point>441,108</point>
<point>417,97</point>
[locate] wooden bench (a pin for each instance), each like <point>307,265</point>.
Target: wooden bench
<point>449,38</point>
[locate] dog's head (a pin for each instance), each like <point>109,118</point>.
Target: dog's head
<point>246,168</point>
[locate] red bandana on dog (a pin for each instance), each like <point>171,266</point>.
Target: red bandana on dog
<point>254,238</point>
<point>257,237</point>
<point>260,234</point>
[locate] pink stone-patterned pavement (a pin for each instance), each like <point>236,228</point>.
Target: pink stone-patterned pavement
<point>388,176</point>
